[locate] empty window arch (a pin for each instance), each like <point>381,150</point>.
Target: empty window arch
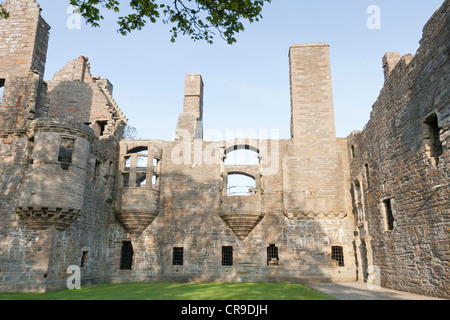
<point>240,184</point>
<point>242,155</point>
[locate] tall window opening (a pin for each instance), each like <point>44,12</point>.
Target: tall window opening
<point>227,256</point>
<point>337,256</point>
<point>240,184</point>
<point>272,255</point>
<point>388,213</point>
<point>432,137</point>
<point>126,258</point>
<point>2,89</point>
<point>97,170</point>
<point>66,150</point>
<point>177,258</point>
<point>126,180</point>
<point>358,200</point>
<point>353,152</point>
<point>366,172</point>
<point>84,257</point>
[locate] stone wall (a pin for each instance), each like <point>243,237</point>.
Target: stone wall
<point>393,161</point>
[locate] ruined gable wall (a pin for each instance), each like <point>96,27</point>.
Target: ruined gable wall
<point>414,256</point>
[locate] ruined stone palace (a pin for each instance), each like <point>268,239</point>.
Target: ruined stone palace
<point>373,206</point>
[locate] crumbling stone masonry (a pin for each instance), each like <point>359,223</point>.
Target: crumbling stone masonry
<point>372,206</point>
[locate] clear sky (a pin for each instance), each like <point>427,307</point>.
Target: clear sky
<point>246,84</point>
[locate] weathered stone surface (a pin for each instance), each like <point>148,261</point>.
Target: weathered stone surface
<point>321,208</point>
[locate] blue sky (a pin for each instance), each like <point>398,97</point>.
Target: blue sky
<point>246,84</point>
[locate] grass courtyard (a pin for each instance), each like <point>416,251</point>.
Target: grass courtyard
<point>179,291</point>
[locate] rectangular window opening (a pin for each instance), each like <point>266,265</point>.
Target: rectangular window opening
<point>387,204</point>
<point>97,170</point>
<point>84,257</point>
<point>127,163</point>
<point>2,89</point>
<point>227,256</point>
<point>66,150</point>
<point>155,181</point>
<point>177,259</point>
<point>141,164</point>
<point>337,256</point>
<point>30,150</point>
<point>272,255</point>
<point>126,180</point>
<point>433,136</point>
<point>126,258</point>
<point>102,125</point>
<point>141,179</point>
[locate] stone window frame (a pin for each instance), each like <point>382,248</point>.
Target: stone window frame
<point>126,255</point>
<point>2,88</point>
<point>66,164</point>
<point>132,174</point>
<point>359,201</point>
<point>389,226</point>
<point>429,138</point>
<point>227,256</point>
<point>178,256</point>
<point>337,256</point>
<point>273,252</point>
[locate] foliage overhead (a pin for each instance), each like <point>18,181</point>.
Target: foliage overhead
<point>199,19</point>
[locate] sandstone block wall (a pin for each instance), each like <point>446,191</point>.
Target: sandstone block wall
<point>392,160</point>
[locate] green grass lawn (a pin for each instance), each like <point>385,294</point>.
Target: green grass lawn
<point>179,291</point>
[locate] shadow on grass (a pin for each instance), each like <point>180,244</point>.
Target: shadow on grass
<point>179,291</point>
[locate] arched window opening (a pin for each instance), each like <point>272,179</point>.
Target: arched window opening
<point>140,150</point>
<point>244,155</point>
<point>240,184</point>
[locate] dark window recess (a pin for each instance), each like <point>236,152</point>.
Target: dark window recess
<point>434,136</point>
<point>367,173</point>
<point>353,152</point>
<point>272,255</point>
<point>337,256</point>
<point>126,180</point>
<point>2,89</point>
<point>177,259</point>
<point>66,150</point>
<point>227,256</point>
<point>30,150</point>
<point>141,180</point>
<point>126,258</point>
<point>389,215</point>
<point>102,125</point>
<point>84,257</point>
<point>97,170</point>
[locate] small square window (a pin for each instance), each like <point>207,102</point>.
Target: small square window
<point>177,258</point>
<point>272,255</point>
<point>227,256</point>
<point>66,150</point>
<point>337,256</point>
